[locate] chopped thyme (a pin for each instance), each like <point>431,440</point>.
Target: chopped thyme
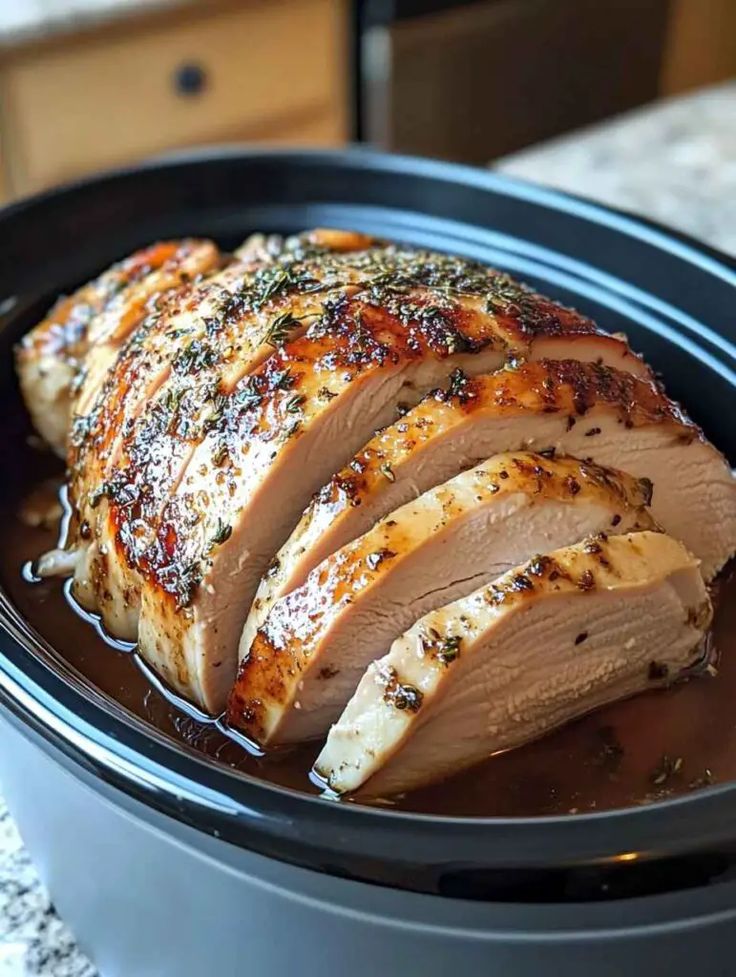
<point>399,695</point>
<point>387,472</point>
<point>187,581</point>
<point>249,395</point>
<point>443,648</point>
<point>173,398</point>
<point>222,533</point>
<point>292,427</point>
<point>278,331</point>
<point>294,403</point>
<point>458,383</point>
<point>282,379</point>
<point>449,649</point>
<point>220,454</point>
<point>194,357</point>
<point>666,768</point>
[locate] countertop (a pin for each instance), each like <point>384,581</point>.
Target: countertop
<point>674,162</point>
<point>31,20</point>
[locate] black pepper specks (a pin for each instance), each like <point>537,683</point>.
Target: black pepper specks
<point>587,580</point>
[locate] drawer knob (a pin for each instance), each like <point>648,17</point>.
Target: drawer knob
<point>190,79</point>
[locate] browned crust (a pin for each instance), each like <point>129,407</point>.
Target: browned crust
<point>395,313</point>
<point>63,332</point>
<point>567,387</point>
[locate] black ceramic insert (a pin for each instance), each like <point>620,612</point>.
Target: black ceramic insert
<point>675,300</point>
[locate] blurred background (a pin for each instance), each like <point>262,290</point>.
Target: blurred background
<point>86,84</point>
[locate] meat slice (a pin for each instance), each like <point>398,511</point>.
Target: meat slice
<point>50,356</point>
<point>108,331</point>
<point>579,409</point>
<point>130,387</point>
<point>146,458</point>
<point>308,657</point>
<point>282,433</point>
<point>159,402</point>
<point>551,640</point>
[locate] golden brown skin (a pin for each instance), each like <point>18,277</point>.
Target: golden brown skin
<point>50,357</point>
<point>190,375</point>
<point>550,386</point>
<point>354,335</point>
<point>145,463</point>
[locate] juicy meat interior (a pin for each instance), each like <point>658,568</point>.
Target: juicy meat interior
<point>309,655</point>
<point>223,414</point>
<point>581,409</point>
<point>548,641</point>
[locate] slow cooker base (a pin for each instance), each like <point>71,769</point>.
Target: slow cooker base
<point>150,897</point>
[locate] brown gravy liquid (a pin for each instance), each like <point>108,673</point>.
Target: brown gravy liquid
<point>612,758</point>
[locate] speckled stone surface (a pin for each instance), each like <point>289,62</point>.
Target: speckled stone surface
<point>33,940</point>
<point>31,20</point>
<point>675,162</point>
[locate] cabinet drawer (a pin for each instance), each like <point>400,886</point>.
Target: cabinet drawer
<point>257,71</point>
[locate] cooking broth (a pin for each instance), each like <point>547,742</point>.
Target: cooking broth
<point>661,743</point>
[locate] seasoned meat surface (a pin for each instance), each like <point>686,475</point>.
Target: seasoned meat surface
<point>550,640</point>
<point>229,406</point>
<point>570,407</point>
<point>306,660</point>
<point>364,436</point>
<point>52,359</point>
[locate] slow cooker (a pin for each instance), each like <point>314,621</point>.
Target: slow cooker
<point>164,863</point>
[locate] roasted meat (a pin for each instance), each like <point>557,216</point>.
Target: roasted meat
<point>53,360</point>
<point>299,454</point>
<point>550,640</point>
<point>307,658</point>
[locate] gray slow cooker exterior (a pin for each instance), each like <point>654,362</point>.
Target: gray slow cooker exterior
<point>150,897</point>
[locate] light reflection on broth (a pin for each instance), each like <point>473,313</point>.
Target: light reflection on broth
<point>657,744</point>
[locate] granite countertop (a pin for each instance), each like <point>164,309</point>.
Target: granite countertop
<point>31,20</point>
<point>674,162</point>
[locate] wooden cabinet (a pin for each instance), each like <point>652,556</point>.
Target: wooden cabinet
<point>263,70</point>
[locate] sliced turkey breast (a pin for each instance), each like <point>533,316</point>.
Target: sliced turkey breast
<point>579,409</point>
<point>147,456</point>
<point>192,356</point>
<point>130,387</point>
<point>115,452</point>
<point>108,330</point>
<point>553,639</point>
<point>50,356</point>
<point>308,657</point>
<point>288,428</point>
